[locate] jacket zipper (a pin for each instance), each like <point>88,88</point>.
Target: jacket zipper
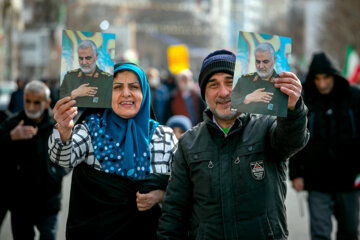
<point>210,166</point>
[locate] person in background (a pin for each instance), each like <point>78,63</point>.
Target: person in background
<point>185,100</point>
<point>16,103</point>
<point>54,90</point>
<point>168,79</point>
<point>328,167</point>
<point>4,203</point>
<point>121,160</point>
<point>30,182</point>
<point>229,173</point>
<point>159,94</point>
<point>4,114</point>
<point>180,124</point>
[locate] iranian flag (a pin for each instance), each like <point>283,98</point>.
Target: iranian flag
<point>352,65</point>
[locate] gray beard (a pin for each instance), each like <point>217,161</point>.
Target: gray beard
<point>265,75</point>
<point>230,116</point>
<point>88,70</point>
<point>33,116</point>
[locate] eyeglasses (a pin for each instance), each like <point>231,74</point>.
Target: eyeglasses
<point>87,58</point>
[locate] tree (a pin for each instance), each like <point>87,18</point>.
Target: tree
<point>341,26</point>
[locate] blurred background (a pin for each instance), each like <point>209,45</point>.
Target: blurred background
<point>30,31</point>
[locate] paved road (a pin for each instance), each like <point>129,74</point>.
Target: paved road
<point>298,225</point>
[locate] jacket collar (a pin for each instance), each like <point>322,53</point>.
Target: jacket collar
<point>239,123</point>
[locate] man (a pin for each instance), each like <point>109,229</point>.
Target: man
<point>4,203</point>
<point>255,92</point>
<point>16,103</point>
<point>229,175</point>
<point>89,85</point>
<point>185,100</point>
<point>31,184</point>
<point>327,167</point>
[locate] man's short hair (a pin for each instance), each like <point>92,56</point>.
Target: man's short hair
<point>38,86</point>
<point>84,44</point>
<point>263,47</point>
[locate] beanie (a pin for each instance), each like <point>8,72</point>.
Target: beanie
<point>180,121</point>
<point>217,61</point>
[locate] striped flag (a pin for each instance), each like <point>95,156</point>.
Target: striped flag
<point>357,181</point>
<point>352,65</point>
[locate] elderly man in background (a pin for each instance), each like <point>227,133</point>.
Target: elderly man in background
<point>186,100</point>
<point>31,183</point>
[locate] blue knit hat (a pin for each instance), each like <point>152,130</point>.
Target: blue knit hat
<point>180,121</point>
<point>217,61</point>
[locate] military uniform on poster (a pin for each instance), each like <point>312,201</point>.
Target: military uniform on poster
<point>100,79</point>
<point>248,83</point>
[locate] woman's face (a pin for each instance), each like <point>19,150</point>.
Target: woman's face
<point>127,94</point>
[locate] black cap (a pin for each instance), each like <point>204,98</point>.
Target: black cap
<point>217,61</point>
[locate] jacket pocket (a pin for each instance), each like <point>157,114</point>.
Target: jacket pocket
<point>204,175</point>
<point>249,171</point>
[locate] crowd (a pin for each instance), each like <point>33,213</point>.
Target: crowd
<point>172,160</point>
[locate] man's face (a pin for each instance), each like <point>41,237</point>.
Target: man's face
<point>153,78</point>
<point>324,83</point>
<point>87,60</point>
<point>184,83</point>
<point>264,63</point>
<point>35,104</point>
<point>218,96</point>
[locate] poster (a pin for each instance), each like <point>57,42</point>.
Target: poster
<point>87,66</point>
<point>259,59</point>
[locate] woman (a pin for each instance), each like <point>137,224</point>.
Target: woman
<point>121,160</point>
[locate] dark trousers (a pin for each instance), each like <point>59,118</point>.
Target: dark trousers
<point>4,206</point>
<point>3,212</point>
<point>343,206</point>
<point>23,227</point>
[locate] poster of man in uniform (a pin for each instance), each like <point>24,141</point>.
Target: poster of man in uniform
<point>87,67</point>
<point>259,59</point>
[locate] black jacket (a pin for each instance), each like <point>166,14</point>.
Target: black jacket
<point>103,206</point>
<point>232,186</point>
<point>328,163</point>
<point>33,182</point>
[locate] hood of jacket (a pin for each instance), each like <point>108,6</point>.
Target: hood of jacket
<point>321,64</point>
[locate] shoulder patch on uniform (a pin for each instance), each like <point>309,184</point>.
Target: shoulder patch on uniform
<point>73,71</point>
<point>106,74</point>
<point>248,74</point>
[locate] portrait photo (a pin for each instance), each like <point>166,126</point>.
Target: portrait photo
<point>259,60</point>
<point>87,66</point>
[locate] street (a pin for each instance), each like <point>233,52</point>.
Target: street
<point>298,225</point>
